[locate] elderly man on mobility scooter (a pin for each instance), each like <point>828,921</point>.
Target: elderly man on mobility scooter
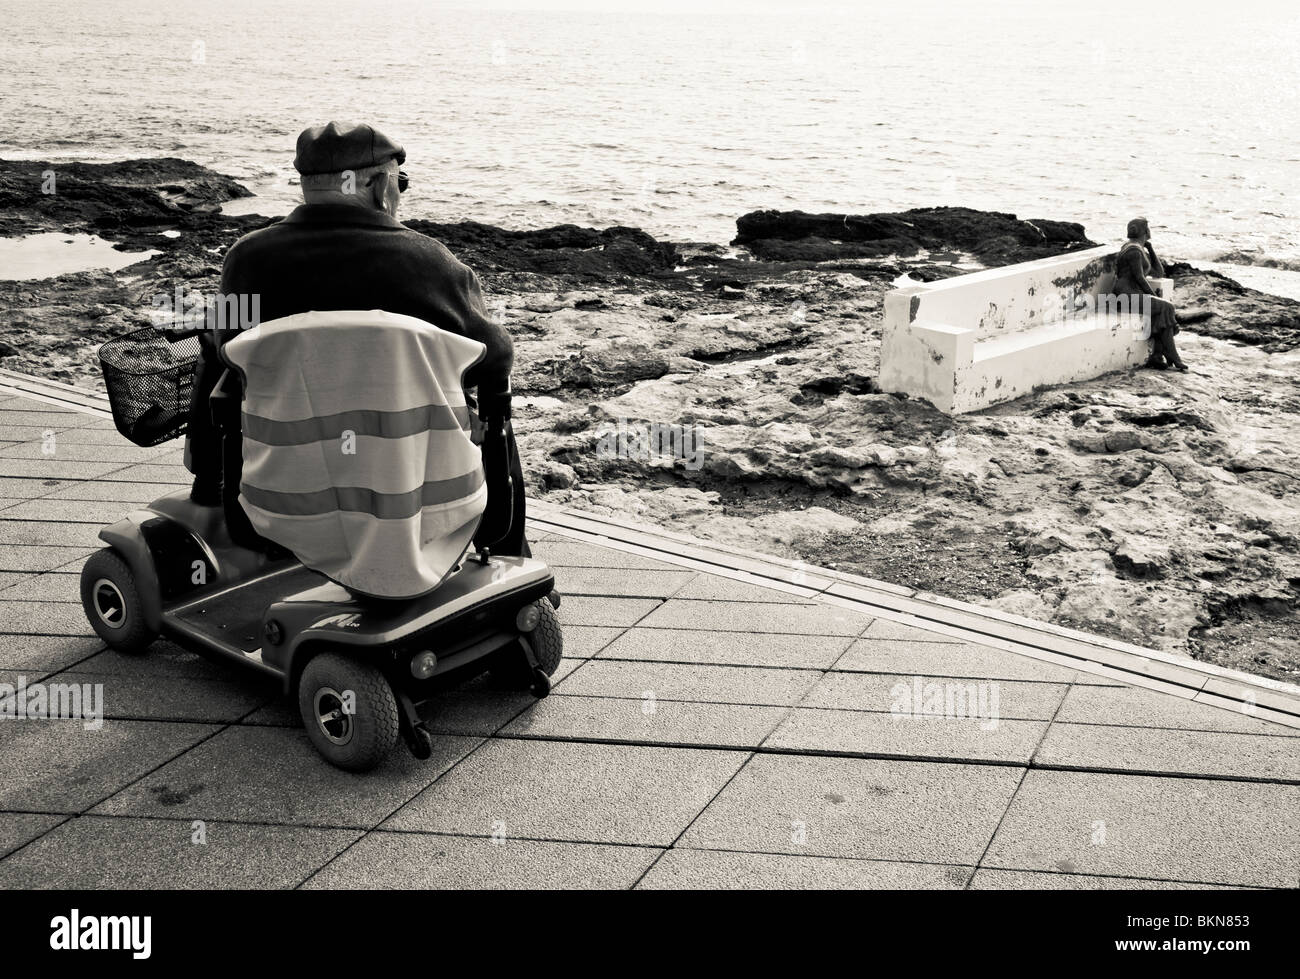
<point>341,473</point>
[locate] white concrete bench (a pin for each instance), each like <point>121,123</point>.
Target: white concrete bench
<point>975,340</point>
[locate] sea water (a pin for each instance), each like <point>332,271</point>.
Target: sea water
<point>679,117</point>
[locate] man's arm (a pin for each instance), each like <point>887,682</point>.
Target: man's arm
<point>492,374</point>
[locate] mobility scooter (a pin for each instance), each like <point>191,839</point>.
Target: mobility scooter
<point>359,667</point>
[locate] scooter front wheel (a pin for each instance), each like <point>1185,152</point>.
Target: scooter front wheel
<point>111,601</point>
<point>546,638</point>
<point>349,710</point>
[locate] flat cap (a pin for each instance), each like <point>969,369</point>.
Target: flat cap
<point>341,146</point>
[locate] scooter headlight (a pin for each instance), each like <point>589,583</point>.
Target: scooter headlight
<point>423,664</point>
<point>528,618</point>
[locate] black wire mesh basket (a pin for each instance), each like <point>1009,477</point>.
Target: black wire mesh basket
<point>150,376</point>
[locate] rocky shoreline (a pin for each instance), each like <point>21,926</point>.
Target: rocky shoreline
<point>1159,509</point>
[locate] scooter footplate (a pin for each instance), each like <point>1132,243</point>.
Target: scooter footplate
<point>234,615</point>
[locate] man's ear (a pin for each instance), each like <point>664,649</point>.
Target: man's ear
<point>379,191</point>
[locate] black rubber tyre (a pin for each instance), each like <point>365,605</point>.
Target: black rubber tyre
<point>512,671</point>
<point>421,744</point>
<point>355,740</point>
<point>111,601</point>
<point>548,638</point>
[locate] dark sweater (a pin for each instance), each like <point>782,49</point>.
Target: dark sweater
<point>334,256</point>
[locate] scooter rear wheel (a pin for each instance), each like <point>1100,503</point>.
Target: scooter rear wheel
<point>349,710</point>
<point>111,601</point>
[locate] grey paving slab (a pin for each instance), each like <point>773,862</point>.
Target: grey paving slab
<point>683,869</point>
<point>272,774</point>
<point>23,557</point>
<point>661,722</point>
<point>45,654</point>
<point>627,583</point>
<point>871,734</point>
<point>165,698</point>
<point>19,828</point>
<point>60,766</point>
<point>17,434</point>
<point>47,587</point>
<point>475,708</point>
<point>1085,679</point>
<point>22,403</point>
<point>852,807</point>
<point>581,610</point>
<point>121,492</point>
<point>567,666</point>
<point>55,468</point>
<point>596,793</point>
<point>575,554</point>
<point>92,435</point>
<point>757,617</point>
<point>162,659</point>
<point>1254,694</point>
<point>1288,722</point>
<point>45,532</point>
<point>44,618</point>
<point>947,659</point>
<point>72,567</point>
<point>736,648</point>
<point>177,476</point>
<point>988,879</point>
<point>44,417</point>
<point>69,451</point>
<point>941,696</point>
<point>1175,751</point>
<point>166,854</point>
<point>678,681</point>
<point>1187,829</point>
<point>712,587</point>
<point>426,861</point>
<point>5,504</point>
<point>585,641</point>
<point>30,489</point>
<point>10,578</point>
<point>1146,708</point>
<point>887,629</point>
<point>279,711</point>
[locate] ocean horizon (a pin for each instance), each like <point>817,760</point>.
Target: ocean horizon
<point>676,120</point>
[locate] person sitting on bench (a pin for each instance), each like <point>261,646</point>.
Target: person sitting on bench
<point>1137,259</point>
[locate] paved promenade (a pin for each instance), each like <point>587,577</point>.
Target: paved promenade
<point>720,719</point>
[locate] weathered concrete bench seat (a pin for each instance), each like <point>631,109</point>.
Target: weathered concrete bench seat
<point>975,340</point>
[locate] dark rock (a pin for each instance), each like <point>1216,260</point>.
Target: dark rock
<point>564,249</point>
<point>1221,307</point>
<point>993,237</point>
<point>131,194</point>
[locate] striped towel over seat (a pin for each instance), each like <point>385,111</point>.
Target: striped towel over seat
<point>357,453</point>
